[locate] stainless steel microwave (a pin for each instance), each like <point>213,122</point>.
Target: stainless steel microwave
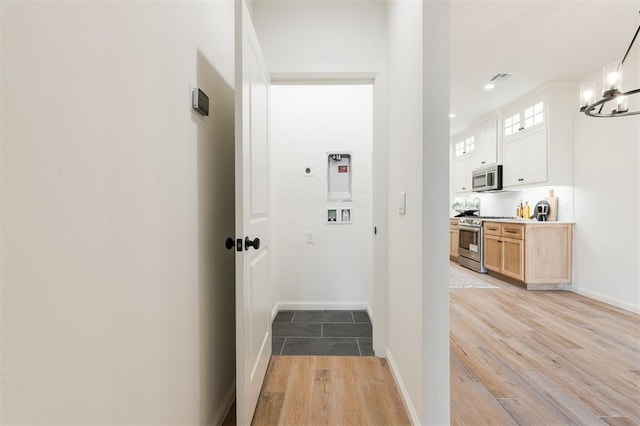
<point>487,179</point>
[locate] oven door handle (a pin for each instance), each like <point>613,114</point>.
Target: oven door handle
<point>469,228</point>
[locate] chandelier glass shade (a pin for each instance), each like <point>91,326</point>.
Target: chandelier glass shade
<point>613,97</point>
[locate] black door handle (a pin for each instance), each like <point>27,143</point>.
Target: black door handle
<point>255,243</point>
<point>229,243</point>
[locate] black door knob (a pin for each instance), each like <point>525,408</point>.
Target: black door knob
<point>229,243</point>
<point>249,243</point>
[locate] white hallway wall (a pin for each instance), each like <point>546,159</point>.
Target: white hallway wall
<point>117,293</point>
<point>306,123</point>
<point>418,240</point>
<point>607,206</point>
<point>405,175</point>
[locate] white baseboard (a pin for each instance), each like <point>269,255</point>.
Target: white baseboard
<point>321,306</point>
<point>403,390</point>
<point>221,413</point>
<point>622,304</point>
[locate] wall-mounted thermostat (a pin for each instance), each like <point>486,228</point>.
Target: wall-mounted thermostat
<point>338,215</point>
<point>339,176</point>
<point>200,101</point>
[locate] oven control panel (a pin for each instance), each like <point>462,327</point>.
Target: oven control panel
<point>469,221</point>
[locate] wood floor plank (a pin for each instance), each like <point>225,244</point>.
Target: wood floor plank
<point>269,409</point>
<point>322,409</point>
<point>379,409</point>
<point>466,416</point>
<point>618,421</point>
<point>277,375</point>
<point>399,409</point>
<point>568,405</point>
<point>458,371</point>
<point>295,407</point>
<point>488,408</point>
<point>349,404</point>
<point>520,411</point>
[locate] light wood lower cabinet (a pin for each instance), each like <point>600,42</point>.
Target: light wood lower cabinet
<point>513,258</point>
<point>504,249</point>
<point>537,254</point>
<point>454,239</point>
<point>492,252</point>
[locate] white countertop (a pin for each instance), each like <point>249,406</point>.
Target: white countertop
<point>526,222</point>
<point>530,222</point>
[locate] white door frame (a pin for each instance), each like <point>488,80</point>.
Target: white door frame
<point>380,198</point>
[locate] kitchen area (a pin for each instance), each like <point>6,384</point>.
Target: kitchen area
<point>512,198</point>
<point>529,101</point>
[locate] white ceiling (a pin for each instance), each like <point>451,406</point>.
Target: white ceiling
<point>538,40</point>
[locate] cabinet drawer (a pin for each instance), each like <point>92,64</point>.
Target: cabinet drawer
<point>513,231</point>
<point>492,228</point>
<point>453,223</point>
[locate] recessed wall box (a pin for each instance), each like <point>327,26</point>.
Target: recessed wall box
<point>339,176</point>
<point>339,215</point>
<point>200,101</point>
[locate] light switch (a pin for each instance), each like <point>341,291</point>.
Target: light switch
<point>402,203</point>
<point>310,237</point>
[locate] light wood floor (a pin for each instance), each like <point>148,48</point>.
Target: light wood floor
<point>517,357</point>
<point>324,390</point>
<point>544,357</point>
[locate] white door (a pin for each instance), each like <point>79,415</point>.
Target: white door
<point>253,328</point>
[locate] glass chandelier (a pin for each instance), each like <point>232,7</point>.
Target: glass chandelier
<point>612,91</point>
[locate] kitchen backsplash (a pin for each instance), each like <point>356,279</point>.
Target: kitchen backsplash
<point>504,203</point>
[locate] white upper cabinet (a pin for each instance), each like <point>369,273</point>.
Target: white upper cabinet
<point>486,152</point>
<point>525,158</point>
<point>471,150</point>
<point>525,145</point>
<point>537,144</point>
<point>532,139</point>
<point>463,152</point>
<point>462,168</point>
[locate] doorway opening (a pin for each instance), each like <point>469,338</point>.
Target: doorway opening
<point>321,161</point>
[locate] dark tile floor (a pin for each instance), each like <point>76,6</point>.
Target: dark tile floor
<point>338,333</point>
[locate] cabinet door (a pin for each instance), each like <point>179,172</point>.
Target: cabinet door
<point>454,242</point>
<point>486,146</point>
<point>468,171</point>
<point>512,170</point>
<point>458,175</point>
<point>492,253</point>
<point>535,155</point>
<point>513,258</point>
<point>463,168</point>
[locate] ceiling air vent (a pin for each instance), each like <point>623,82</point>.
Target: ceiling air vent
<point>501,77</point>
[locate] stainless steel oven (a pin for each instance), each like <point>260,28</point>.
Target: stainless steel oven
<point>470,251</point>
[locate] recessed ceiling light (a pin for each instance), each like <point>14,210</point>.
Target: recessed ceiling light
<point>452,115</point>
<point>489,86</point>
